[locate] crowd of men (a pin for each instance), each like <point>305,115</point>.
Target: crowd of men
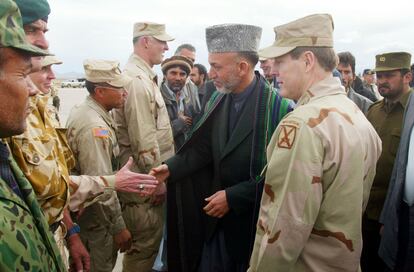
<point>305,167</point>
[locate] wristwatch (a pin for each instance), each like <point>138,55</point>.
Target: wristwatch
<point>73,230</point>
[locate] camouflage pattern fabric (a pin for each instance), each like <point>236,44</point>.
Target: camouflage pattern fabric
<point>144,132</point>
<point>91,135</point>
<point>38,152</point>
<point>321,164</point>
<point>26,244</point>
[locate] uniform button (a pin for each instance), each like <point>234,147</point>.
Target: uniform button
<point>36,158</point>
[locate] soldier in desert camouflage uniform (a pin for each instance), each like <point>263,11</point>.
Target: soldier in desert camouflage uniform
<point>321,160</point>
<point>90,124</point>
<point>25,241</point>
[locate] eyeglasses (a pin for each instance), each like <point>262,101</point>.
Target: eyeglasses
<point>121,89</point>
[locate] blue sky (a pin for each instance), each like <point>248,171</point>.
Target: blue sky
<point>81,29</point>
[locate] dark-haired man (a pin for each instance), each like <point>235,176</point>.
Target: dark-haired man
<point>26,243</point>
<point>393,78</point>
<point>346,67</point>
<point>179,106</point>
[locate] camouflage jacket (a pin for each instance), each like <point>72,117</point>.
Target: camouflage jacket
<point>91,135</point>
<point>38,152</point>
<point>143,125</point>
<point>26,244</point>
<point>43,154</point>
<point>321,164</point>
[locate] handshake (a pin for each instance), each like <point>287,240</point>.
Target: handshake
<point>152,184</point>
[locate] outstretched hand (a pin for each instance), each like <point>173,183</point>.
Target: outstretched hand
<point>161,173</point>
<point>131,182</point>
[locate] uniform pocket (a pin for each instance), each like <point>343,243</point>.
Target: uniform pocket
<point>395,141</point>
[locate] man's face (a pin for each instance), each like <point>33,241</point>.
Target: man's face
<point>370,79</point>
<point>35,33</point>
<point>15,89</point>
<point>266,66</point>
<point>112,97</point>
<point>43,79</point>
<point>347,74</point>
<point>391,83</point>
<point>196,77</point>
<point>188,54</point>
<point>176,78</point>
<point>289,74</point>
<point>224,71</point>
<point>156,50</point>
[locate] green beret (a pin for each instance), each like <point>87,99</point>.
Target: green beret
<point>33,10</point>
<point>11,30</point>
<point>392,61</point>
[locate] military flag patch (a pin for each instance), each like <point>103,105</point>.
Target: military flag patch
<point>287,136</point>
<point>100,132</point>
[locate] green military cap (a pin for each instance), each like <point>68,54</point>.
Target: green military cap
<point>181,61</point>
<point>50,60</point>
<point>105,71</point>
<point>33,10</point>
<point>151,29</point>
<point>314,31</point>
<point>11,30</point>
<point>392,61</point>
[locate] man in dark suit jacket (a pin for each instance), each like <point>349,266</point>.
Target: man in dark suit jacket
<point>229,144</point>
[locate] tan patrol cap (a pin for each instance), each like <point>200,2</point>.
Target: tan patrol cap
<point>50,60</point>
<point>105,71</point>
<point>314,31</point>
<point>392,61</point>
<point>151,29</point>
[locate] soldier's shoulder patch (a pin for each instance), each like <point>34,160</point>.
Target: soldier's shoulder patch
<point>100,132</point>
<point>287,135</point>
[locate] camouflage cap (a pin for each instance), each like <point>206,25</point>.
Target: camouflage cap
<point>33,10</point>
<point>233,38</point>
<point>151,29</point>
<point>181,61</point>
<point>314,31</point>
<point>105,71</point>
<point>50,60</point>
<point>11,30</point>
<point>392,61</point>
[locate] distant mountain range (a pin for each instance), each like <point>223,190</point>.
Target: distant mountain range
<point>69,75</point>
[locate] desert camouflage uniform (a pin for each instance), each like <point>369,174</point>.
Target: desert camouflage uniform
<point>26,244</point>
<point>91,135</point>
<point>144,132</point>
<point>38,153</point>
<point>321,164</point>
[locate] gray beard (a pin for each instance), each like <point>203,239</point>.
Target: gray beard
<point>224,91</point>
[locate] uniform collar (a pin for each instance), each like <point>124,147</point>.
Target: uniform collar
<point>402,101</point>
<point>328,86</point>
<point>100,110</point>
<point>143,65</point>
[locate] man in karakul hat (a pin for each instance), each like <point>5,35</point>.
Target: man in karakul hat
<point>214,179</point>
<point>321,160</point>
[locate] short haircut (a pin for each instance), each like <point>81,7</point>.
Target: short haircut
<point>90,86</point>
<point>346,58</point>
<point>184,46</point>
<point>251,57</point>
<point>326,56</point>
<point>182,67</point>
<point>202,70</point>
